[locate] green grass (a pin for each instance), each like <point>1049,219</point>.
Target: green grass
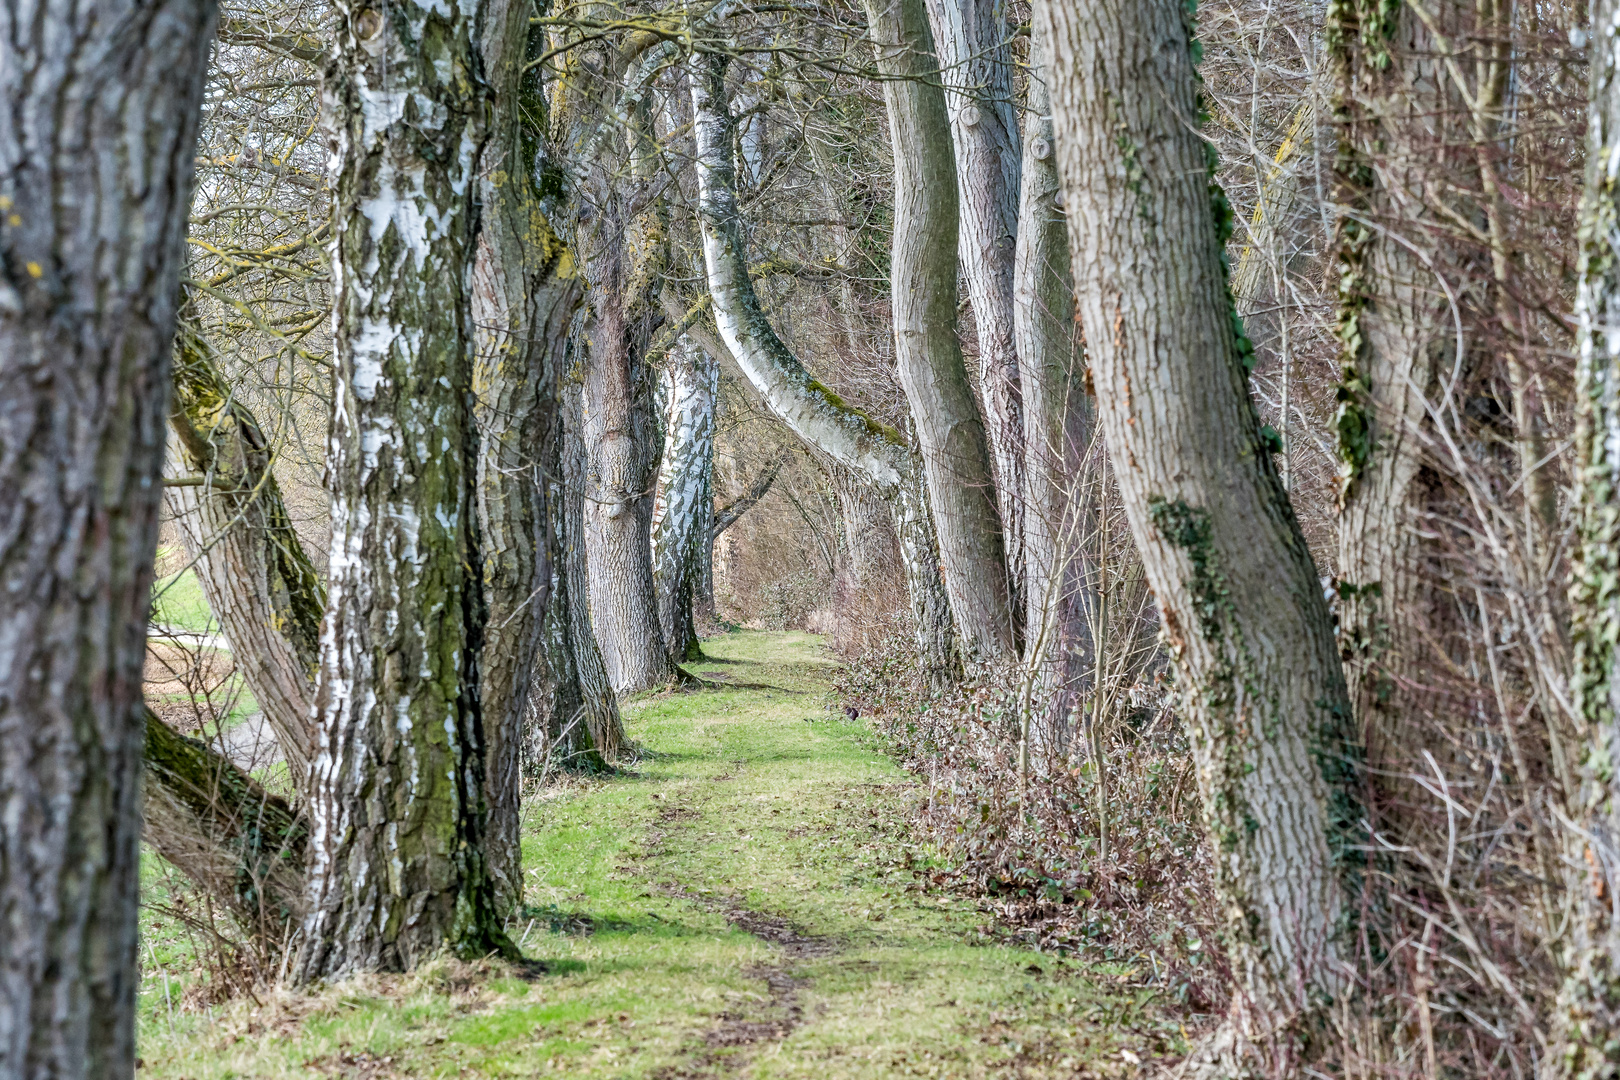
<point>179,603</point>
<point>751,807</point>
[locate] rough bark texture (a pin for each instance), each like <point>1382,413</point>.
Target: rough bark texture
<point>98,134</point>
<point>1395,336</point>
<point>576,723</point>
<point>1242,610</point>
<point>686,486</point>
<point>972,40</point>
<point>215,823</point>
<point>1588,1010</point>
<point>922,271</point>
<point>398,869</point>
<point>1058,414</point>
<point>817,415</point>
<point>259,583</point>
<point>524,294</point>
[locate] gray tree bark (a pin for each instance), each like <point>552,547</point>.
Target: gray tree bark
<point>1587,1014</point>
<point>219,827</point>
<point>972,41</point>
<point>922,271</point>
<point>258,581</point>
<point>815,413</point>
<point>398,868</point>
<point>686,491</point>
<point>97,143</point>
<point>524,296</point>
<point>1058,413</point>
<point>1242,610</point>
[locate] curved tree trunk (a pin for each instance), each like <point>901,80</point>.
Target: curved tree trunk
<point>96,156</point>
<point>259,584</point>
<point>1588,1010</point>
<point>815,413</point>
<point>220,828</point>
<point>1058,414</point>
<point>922,269</point>
<point>524,295</point>
<point>1266,707</point>
<point>971,38</point>
<point>397,866</point>
<point>686,490</point>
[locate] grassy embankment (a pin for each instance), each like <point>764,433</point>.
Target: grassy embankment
<point>742,901</point>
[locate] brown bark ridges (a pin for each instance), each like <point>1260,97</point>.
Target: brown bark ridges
<point>1242,610</point>
<point>96,159</point>
<point>398,864</point>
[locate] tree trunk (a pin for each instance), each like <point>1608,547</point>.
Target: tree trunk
<point>1242,610</point>
<point>259,584</point>
<point>524,295</point>
<point>576,723</point>
<point>685,487</point>
<point>922,269</point>
<point>815,413</point>
<point>398,868</point>
<point>1588,1010</point>
<point>96,157</point>
<point>219,827</point>
<point>1395,336</point>
<point>1058,414</point>
<point>971,38</point>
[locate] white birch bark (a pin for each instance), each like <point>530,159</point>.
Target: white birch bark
<point>684,484</point>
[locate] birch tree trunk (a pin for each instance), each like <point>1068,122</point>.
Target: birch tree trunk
<point>1242,610</point>
<point>1588,1009</point>
<point>971,38</point>
<point>1058,413</point>
<point>398,868</point>
<point>685,486</point>
<point>922,270</point>
<point>97,144</point>
<point>258,581</point>
<point>817,415</point>
<point>524,295</point>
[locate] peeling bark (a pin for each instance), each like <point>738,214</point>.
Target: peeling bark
<point>686,491</point>
<point>1266,708</point>
<point>97,147</point>
<point>398,868</point>
<point>258,581</point>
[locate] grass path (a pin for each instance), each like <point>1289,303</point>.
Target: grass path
<point>743,902</point>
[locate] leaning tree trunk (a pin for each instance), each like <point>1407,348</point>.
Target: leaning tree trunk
<point>397,861</point>
<point>972,39</point>
<point>685,486</point>
<point>922,270</point>
<point>1243,613</point>
<point>224,831</point>
<point>1588,1010</point>
<point>96,149</point>
<point>1058,415</point>
<point>524,295</point>
<point>259,583</point>
<point>815,413</point>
